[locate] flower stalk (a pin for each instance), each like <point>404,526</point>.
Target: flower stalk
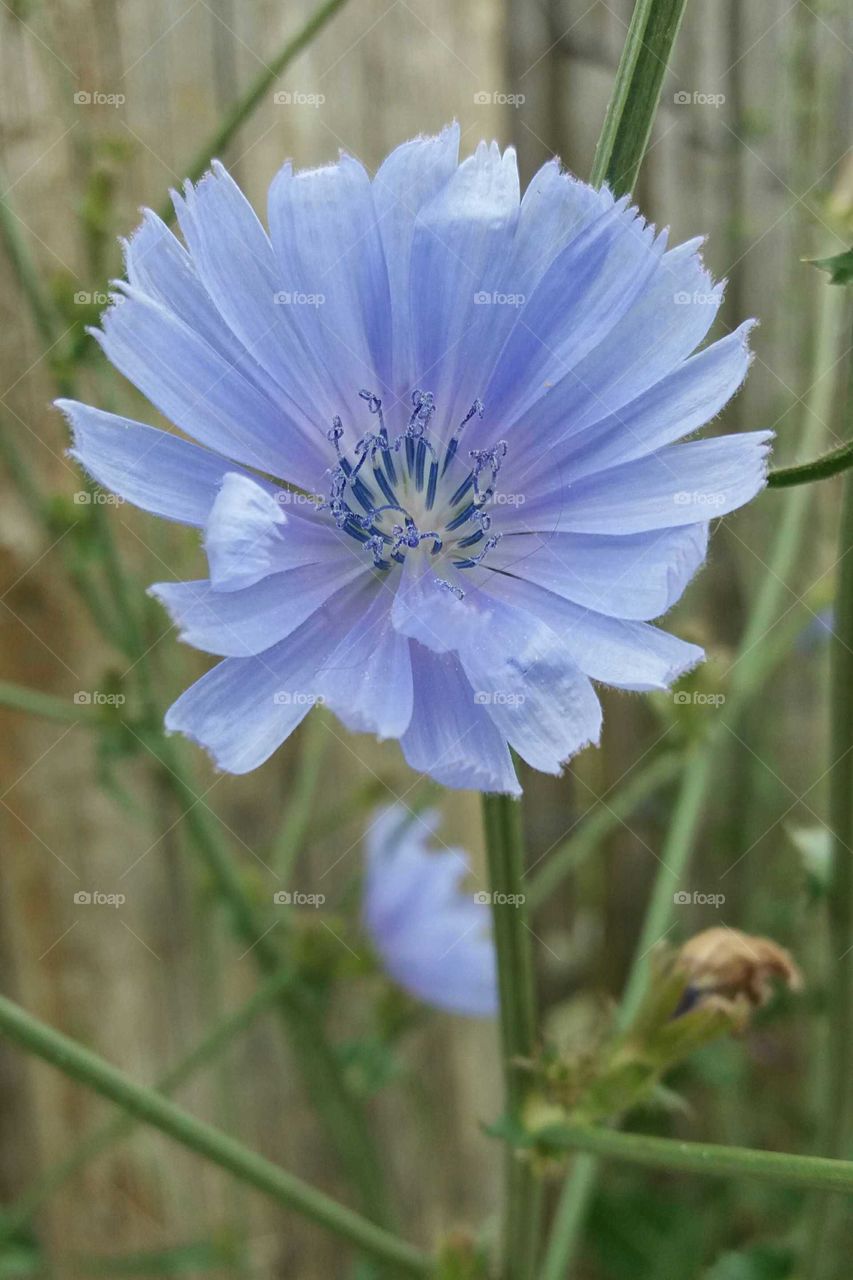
<point>502,820</point>
<point>154,1109</point>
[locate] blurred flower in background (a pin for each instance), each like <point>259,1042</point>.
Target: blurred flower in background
<point>432,936</point>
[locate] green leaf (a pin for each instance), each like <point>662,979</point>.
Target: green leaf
<point>840,266</point>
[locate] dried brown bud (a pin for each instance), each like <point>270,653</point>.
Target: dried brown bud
<point>736,969</point>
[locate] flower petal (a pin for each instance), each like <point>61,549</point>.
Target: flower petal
<point>156,471</point>
<point>194,386</point>
<point>404,183</point>
<point>367,681</point>
<point>461,237</point>
<point>639,576</point>
<point>244,708</point>
<point>237,624</point>
<point>627,655</point>
<point>249,535</point>
<point>682,484</point>
<point>326,239</point>
<point>450,737</point>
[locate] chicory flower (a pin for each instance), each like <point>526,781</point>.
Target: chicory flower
<point>434,436</point>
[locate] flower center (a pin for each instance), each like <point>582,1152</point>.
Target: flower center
<point>408,494</point>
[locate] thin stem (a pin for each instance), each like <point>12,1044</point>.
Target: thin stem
<point>291,835</point>
<point>636,91</point>
<point>151,1107</point>
<point>748,673</point>
<point>245,105</point>
<point>708,1159</point>
<point>320,1068</point>
<point>829,464</point>
<point>513,943</point>
<point>16,697</point>
<point>836,1119</point>
<point>609,813</point>
<point>218,1039</point>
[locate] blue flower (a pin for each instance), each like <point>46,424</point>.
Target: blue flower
<point>433,939</point>
<point>433,434</point>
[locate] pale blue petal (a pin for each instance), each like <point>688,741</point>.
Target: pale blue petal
<point>251,533</point>
<point>367,681</point>
<point>461,238</point>
<point>236,624</point>
<point>406,181</point>
<point>244,708</point>
<point>450,737</point>
<point>639,576</point>
<point>683,484</point>
<point>161,473</point>
<point>627,655</point>
<point>326,239</point>
<point>194,386</point>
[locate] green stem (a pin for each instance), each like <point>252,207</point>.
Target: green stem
<point>636,92</point>
<point>807,1172</point>
<point>513,943</point>
<point>836,1119</point>
<point>608,815</point>
<point>120,1126</point>
<point>829,464</point>
<point>151,1107</point>
<point>749,672</point>
<point>245,105</point>
<point>17,697</point>
<point>291,835</point>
